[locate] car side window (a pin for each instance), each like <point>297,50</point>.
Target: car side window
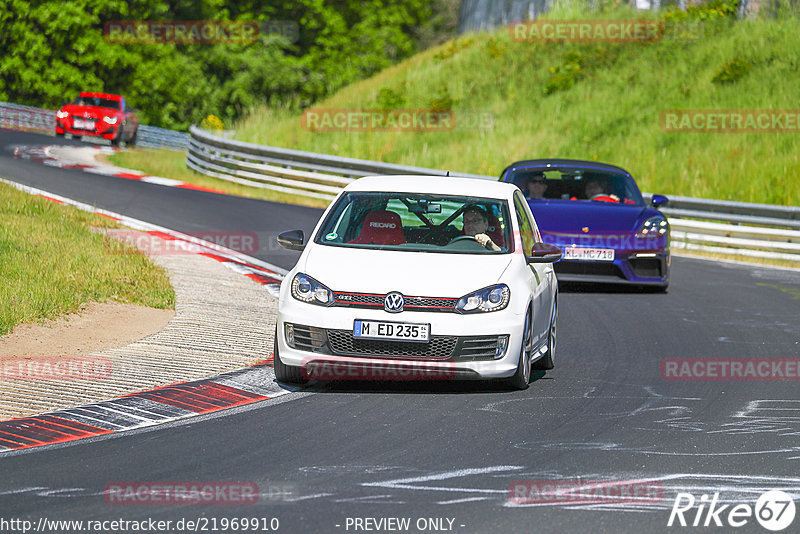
<point>525,227</point>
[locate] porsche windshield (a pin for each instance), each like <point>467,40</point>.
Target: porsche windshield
<point>416,222</point>
<point>576,184</point>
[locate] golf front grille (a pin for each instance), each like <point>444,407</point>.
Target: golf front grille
<point>342,343</point>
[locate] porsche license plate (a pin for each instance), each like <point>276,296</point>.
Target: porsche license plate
<point>419,333</point>
<point>589,254</point>
<point>82,124</point>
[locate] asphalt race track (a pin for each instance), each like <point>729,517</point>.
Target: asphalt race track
<point>449,452</point>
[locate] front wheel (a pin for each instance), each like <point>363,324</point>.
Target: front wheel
<point>287,374</point>
<point>132,140</point>
<point>522,376</point>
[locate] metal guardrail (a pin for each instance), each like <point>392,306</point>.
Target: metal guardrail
<point>31,119</point>
<point>740,228</point>
<point>283,169</point>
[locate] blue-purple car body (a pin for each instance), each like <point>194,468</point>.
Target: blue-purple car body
<point>608,235</point>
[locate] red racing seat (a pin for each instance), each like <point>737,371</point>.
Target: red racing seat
<point>381,227</point>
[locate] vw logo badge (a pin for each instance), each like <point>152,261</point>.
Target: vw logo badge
<point>393,303</point>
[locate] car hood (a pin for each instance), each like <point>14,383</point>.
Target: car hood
<point>411,273</point>
<point>92,112</point>
<point>571,217</point>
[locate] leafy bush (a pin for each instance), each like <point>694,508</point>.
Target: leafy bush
<point>732,71</point>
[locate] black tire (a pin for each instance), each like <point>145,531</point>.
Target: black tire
<point>60,134</point>
<point>547,362</point>
<point>522,376</point>
<point>132,140</point>
<point>115,140</point>
<point>287,374</point>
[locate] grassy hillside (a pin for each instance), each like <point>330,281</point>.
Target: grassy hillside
<point>589,101</point>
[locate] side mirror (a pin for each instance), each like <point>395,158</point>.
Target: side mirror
<point>292,240</point>
<point>659,200</point>
<point>543,253</point>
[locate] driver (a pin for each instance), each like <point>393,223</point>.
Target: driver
<point>595,191</point>
<point>476,224</point>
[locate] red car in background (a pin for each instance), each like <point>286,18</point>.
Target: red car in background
<point>98,115</point>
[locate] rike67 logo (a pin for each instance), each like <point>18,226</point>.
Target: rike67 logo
<point>774,510</point>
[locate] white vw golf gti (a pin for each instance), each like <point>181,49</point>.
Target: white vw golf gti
<point>419,277</point>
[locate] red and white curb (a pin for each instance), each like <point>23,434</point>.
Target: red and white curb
<point>144,409</point>
<point>160,405</point>
<point>83,159</point>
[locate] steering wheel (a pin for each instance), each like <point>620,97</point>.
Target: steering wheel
<point>604,197</point>
<point>465,238</point>
<point>462,238</point>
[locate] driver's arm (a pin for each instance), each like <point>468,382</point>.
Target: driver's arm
<point>486,241</point>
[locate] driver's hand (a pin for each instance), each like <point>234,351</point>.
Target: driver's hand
<point>486,241</point>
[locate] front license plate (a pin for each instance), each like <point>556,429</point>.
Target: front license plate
<point>589,254</point>
<point>419,333</point>
<point>81,124</point>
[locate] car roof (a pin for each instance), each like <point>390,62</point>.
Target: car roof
<point>101,95</point>
<point>445,185</point>
<point>564,163</point>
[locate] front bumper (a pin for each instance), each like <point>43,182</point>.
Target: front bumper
<point>636,260</point>
<point>101,129</point>
<point>460,346</point>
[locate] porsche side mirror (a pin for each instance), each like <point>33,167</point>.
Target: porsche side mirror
<point>292,240</point>
<point>543,253</point>
<point>659,200</point>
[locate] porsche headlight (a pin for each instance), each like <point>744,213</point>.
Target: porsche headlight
<point>62,114</point>
<point>488,299</point>
<point>655,226</point>
<point>306,289</point>
<point>110,120</point>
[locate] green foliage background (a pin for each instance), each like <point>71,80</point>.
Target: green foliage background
<point>52,49</point>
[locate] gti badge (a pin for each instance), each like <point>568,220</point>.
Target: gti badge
<point>393,303</point>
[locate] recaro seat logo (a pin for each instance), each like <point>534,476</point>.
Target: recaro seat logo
<point>394,302</point>
<point>774,510</point>
<point>383,225</point>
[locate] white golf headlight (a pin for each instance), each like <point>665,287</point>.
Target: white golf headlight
<point>62,114</point>
<point>110,120</point>
<point>488,299</point>
<point>306,289</point>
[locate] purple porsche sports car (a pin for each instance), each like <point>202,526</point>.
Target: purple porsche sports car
<point>595,213</point>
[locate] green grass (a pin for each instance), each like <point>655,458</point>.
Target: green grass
<point>51,263</point>
<point>588,101</point>
<point>171,164</point>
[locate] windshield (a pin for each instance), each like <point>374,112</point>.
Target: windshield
<point>419,223</point>
<point>97,102</point>
<point>576,184</point>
